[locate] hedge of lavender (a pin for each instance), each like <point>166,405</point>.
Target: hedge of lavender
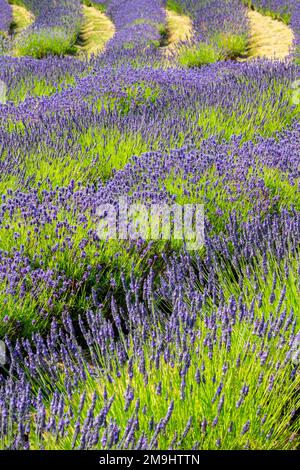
<point>185,104</point>
<point>55,29</point>
<point>212,16</point>
<point>5,16</point>
<point>139,26</point>
<point>5,22</point>
<point>141,344</point>
<point>220,30</point>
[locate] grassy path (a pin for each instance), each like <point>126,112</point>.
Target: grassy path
<point>269,38</point>
<point>96,31</point>
<point>179,28</point>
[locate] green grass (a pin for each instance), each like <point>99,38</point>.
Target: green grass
<point>220,47</point>
<point>175,6</point>
<point>45,42</point>
<point>198,55</point>
<point>100,6</point>
<point>231,46</point>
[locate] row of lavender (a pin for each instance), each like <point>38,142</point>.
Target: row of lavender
<point>55,29</point>
<point>139,25</point>
<point>126,99</point>
<point>212,16</point>
<point>5,16</point>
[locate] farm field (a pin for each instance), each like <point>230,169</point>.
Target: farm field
<point>150,225</point>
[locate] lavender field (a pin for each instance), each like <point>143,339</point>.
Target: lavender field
<point>177,325</point>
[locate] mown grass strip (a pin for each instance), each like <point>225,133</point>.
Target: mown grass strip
<point>270,38</point>
<point>96,31</point>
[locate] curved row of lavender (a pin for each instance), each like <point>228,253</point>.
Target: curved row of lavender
<point>139,25</point>
<point>212,16</point>
<point>139,93</point>
<point>56,22</point>
<point>5,16</point>
<point>135,42</point>
<point>65,13</point>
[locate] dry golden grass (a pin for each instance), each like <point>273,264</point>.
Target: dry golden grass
<point>96,31</point>
<point>179,27</point>
<point>269,38</point>
<point>22,18</point>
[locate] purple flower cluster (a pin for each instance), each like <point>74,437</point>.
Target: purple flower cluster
<point>5,16</point>
<point>214,16</point>
<point>64,14</point>
<point>139,24</point>
<point>58,22</point>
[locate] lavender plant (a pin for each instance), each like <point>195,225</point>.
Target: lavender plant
<point>221,30</point>
<point>5,22</point>
<point>54,31</point>
<point>5,16</point>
